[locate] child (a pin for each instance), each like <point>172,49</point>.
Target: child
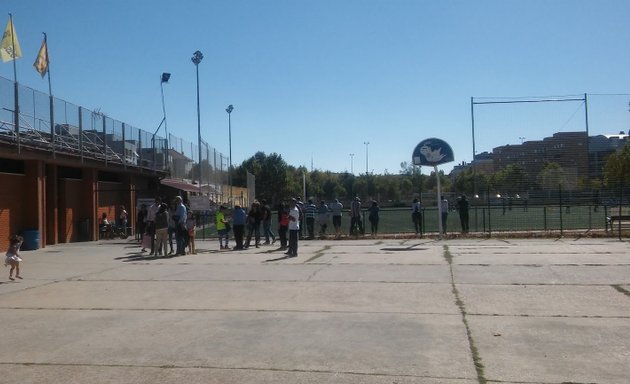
<point>190,226</point>
<point>13,258</point>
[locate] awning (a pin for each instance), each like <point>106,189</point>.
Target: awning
<point>180,184</point>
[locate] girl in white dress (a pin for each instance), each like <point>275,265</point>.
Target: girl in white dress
<point>13,257</point>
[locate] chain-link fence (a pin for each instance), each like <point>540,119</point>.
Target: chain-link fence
<point>90,135</point>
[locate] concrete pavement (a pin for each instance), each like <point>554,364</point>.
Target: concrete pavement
<point>459,311</point>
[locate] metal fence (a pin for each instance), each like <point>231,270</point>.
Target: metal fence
<point>537,220</point>
<point>91,135</point>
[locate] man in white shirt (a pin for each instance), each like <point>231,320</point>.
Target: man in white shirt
<point>294,228</point>
<point>336,209</point>
<point>150,221</point>
<point>444,211</point>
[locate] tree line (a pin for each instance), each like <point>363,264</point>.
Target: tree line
<point>276,181</point>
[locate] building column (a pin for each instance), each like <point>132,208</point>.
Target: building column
<point>35,198</point>
<point>90,200</point>
<point>52,205</point>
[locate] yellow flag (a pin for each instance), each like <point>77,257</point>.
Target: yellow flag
<point>41,63</point>
<point>9,46</point>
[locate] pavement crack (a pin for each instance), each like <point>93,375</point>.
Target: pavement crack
<point>479,368</point>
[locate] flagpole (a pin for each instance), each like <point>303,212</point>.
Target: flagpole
<point>50,95</point>
<point>16,100</point>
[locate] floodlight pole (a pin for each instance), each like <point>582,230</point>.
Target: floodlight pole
<point>472,115</point>
<point>367,143</point>
<point>229,110</point>
<point>352,163</point>
<point>164,79</point>
<point>196,59</point>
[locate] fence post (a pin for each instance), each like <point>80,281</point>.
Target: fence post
<point>560,203</point>
<point>545,217</point>
<point>489,212</point>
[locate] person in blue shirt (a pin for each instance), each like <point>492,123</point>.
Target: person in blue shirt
<point>239,219</point>
<point>179,217</point>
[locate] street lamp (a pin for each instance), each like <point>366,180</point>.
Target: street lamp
<point>521,138</point>
<point>229,110</point>
<point>352,163</point>
<point>196,59</point>
<point>163,79</point>
<point>367,143</point>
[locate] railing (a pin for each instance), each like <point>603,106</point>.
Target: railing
<point>91,135</point>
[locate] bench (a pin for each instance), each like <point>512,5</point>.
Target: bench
<point>614,221</point>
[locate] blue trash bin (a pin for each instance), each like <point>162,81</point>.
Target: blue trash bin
<point>31,239</point>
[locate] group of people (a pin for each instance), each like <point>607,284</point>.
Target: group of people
<point>461,205</point>
<point>109,229</point>
<point>159,223</point>
<point>295,220</point>
<point>247,225</point>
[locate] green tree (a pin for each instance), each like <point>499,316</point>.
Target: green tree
<point>272,176</point>
<point>431,182</point>
<point>617,169</point>
<point>551,176</point>
<point>510,180</point>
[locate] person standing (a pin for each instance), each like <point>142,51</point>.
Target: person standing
<point>322,218</point>
<point>336,209</point>
<point>462,207</point>
<point>373,217</point>
<point>283,225</point>
<point>122,219</point>
<point>172,226</point>
<point>356,224</point>
<point>266,222</point>
<point>191,228</point>
<point>13,256</point>
<point>153,209</point>
<point>161,229</point>
<point>300,206</point>
<point>444,209</point>
<point>222,228</point>
<point>239,218</point>
<point>310,214</point>
<point>416,215</point>
<point>179,217</point>
<point>254,217</point>
<point>294,228</point>
<point>140,224</point>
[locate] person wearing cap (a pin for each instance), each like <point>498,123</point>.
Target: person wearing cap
<point>294,228</point>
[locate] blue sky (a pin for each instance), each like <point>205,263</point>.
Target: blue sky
<point>314,80</point>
